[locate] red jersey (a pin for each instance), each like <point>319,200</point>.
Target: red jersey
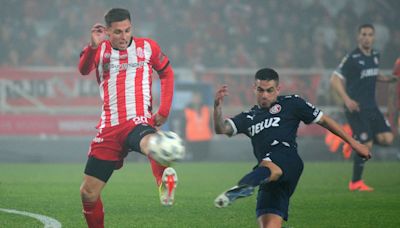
<point>396,71</point>
<point>124,78</point>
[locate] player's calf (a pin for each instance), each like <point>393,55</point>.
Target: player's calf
<point>91,201</point>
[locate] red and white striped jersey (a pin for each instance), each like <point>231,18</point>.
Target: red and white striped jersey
<point>124,78</point>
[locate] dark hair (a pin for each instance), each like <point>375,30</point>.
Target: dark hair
<point>115,15</point>
<point>366,26</point>
<point>267,74</point>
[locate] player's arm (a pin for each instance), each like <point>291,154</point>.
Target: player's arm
<point>331,125</point>
<point>388,79</point>
<point>221,125</point>
<point>338,85</point>
<point>167,92</point>
<point>87,56</point>
<point>86,60</point>
<point>161,64</point>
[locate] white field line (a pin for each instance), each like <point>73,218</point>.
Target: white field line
<point>47,221</point>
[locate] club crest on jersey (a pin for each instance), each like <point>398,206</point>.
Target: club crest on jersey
<point>275,109</point>
<point>107,55</point>
<point>139,52</point>
<point>124,56</point>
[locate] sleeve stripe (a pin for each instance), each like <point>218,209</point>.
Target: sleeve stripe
<point>233,126</point>
<point>339,75</point>
<point>320,114</point>
<point>166,65</point>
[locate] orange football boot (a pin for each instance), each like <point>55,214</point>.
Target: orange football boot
<point>360,186</point>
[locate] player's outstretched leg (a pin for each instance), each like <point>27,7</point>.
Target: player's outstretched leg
<point>357,184</point>
<point>266,172</point>
<point>169,182</point>
<point>162,148</point>
<point>236,192</point>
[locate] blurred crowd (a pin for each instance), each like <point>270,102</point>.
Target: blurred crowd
<point>204,34</point>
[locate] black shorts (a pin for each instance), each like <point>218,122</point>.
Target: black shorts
<point>273,197</point>
<point>367,123</point>
<point>101,169</point>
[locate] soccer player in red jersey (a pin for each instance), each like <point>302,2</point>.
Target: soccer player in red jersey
<point>124,65</point>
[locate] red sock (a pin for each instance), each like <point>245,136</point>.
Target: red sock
<point>94,213</point>
<point>157,170</point>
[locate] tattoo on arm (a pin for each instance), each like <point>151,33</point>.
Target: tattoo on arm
<point>221,125</point>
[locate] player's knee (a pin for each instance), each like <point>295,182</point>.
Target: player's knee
<point>385,139</point>
<point>276,171</point>
<point>388,140</point>
<point>88,194</point>
<point>270,221</point>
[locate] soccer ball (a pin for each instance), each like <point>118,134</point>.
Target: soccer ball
<point>166,147</point>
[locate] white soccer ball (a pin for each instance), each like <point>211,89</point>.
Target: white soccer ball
<point>166,147</point>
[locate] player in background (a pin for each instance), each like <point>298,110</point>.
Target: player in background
<point>124,65</point>
<point>355,81</point>
<point>396,71</point>
<point>272,126</point>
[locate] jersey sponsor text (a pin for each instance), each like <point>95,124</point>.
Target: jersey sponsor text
<point>267,123</point>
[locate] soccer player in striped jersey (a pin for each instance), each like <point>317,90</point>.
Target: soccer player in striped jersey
<point>355,81</point>
<point>124,66</point>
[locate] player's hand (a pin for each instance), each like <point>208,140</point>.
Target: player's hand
<point>387,79</point>
<point>362,150</point>
<point>98,34</point>
<point>159,120</point>
<point>221,93</point>
<point>352,105</point>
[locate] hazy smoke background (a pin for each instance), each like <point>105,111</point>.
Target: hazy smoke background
<point>222,33</point>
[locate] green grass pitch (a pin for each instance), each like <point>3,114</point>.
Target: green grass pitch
<point>131,197</point>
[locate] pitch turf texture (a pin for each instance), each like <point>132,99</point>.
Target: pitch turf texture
<point>131,197</point>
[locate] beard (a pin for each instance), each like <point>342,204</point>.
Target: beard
<point>264,104</point>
